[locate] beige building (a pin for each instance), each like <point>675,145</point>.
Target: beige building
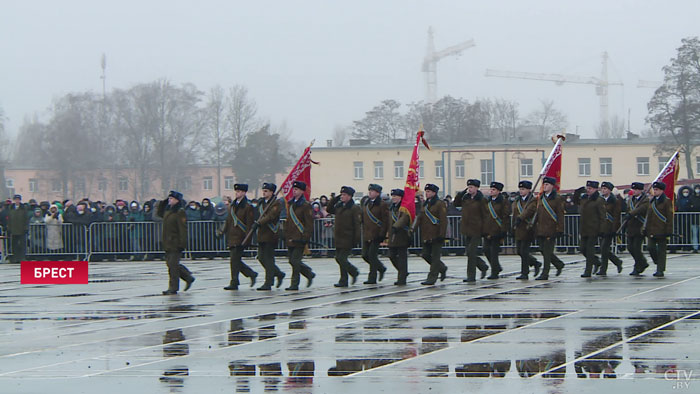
<point>620,161</point>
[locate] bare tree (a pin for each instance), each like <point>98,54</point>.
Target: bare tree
<point>504,118</point>
<point>241,116</point>
<point>219,136</point>
<point>340,133</point>
<point>548,119</point>
<point>382,124</point>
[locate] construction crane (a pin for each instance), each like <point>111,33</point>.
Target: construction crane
<point>601,84</point>
<point>430,63</point>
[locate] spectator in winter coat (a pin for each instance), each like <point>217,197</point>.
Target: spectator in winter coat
<point>54,236</point>
<point>206,210</point>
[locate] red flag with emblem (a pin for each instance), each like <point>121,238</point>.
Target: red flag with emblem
<point>552,167</point>
<point>408,203</point>
<point>669,175</point>
<point>300,172</point>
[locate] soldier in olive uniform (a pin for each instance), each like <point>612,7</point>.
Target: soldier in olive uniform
<point>472,202</point>
<point>432,222</point>
<point>399,236</point>
<point>659,226</point>
<point>174,240</point>
<point>347,229</point>
<point>549,224</point>
<point>613,208</point>
<point>523,235</point>
<point>238,222</point>
<point>592,214</point>
<point>637,206</point>
<point>375,224</point>
<point>297,231</point>
<point>497,213</point>
<point>18,227</point>
<point>268,225</point>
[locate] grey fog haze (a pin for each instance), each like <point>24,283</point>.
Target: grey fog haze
<point>315,65</point>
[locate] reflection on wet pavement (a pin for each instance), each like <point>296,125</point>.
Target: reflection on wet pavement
<point>508,330</point>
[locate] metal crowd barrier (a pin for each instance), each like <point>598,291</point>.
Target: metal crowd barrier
<point>142,240</point>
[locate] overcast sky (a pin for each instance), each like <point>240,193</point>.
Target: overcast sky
<point>318,64</point>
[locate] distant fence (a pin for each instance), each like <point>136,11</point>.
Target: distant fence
<point>142,240</point>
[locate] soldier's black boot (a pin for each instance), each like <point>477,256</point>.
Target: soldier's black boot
<point>189,282</point>
<point>232,286</point>
<point>430,280</point>
<point>483,267</point>
<point>381,269</point>
<point>280,276</point>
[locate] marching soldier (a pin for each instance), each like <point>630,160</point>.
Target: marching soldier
<point>472,202</point>
<point>268,225</point>
<point>592,214</point>
<point>346,231</point>
<point>174,241</point>
<point>433,227</point>
<point>399,236</point>
<point>659,226</point>
<point>634,221</point>
<point>375,224</point>
<point>495,226</point>
<point>298,230</point>
<point>239,220</point>
<point>549,224</point>
<point>613,208</point>
<point>523,235</point>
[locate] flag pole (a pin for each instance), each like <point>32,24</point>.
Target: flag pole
<point>274,198</point>
<point>560,138</point>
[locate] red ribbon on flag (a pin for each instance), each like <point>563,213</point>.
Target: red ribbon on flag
<point>408,203</point>
<point>300,172</point>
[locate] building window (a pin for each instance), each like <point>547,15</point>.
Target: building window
<point>228,183</point>
<point>10,183</point>
<point>102,184</point>
<point>208,183</point>
<point>378,170</point>
<point>697,164</point>
<point>459,168</point>
<point>662,162</point>
<point>79,186</point>
<point>526,168</point>
<point>486,171</point>
<point>398,169</point>
<point>359,170</point>
<point>605,166</point>
<point>421,169</point>
<point>56,185</point>
<point>642,166</point>
<point>439,170</point>
<point>584,167</point>
<point>33,185</point>
<point>123,184</point>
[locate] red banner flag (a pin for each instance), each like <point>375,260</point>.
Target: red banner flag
<point>408,203</point>
<point>669,175</point>
<point>552,167</point>
<point>300,172</point>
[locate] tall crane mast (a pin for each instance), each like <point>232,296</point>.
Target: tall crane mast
<point>601,84</point>
<point>430,63</point>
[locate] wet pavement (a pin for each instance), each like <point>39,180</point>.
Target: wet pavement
<point>568,334</point>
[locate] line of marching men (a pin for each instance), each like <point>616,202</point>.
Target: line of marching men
<point>375,223</point>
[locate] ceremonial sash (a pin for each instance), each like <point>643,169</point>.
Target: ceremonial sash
<point>372,217</point>
<point>273,228</point>
<point>430,215</point>
<point>610,217</point>
<point>548,208</point>
<point>238,222</point>
<point>657,213</point>
<point>494,215</point>
<point>395,218</point>
<point>295,219</point>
